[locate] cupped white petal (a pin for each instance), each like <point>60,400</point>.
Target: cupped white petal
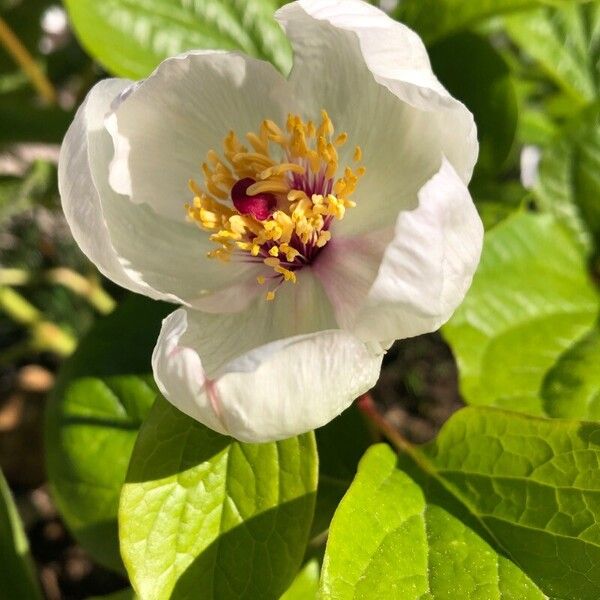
<point>131,243</point>
<point>270,392</point>
<point>163,130</point>
<point>374,77</point>
<point>81,198</point>
<point>427,268</point>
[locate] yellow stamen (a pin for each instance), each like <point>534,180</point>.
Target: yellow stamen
<point>270,186</point>
<point>284,164</point>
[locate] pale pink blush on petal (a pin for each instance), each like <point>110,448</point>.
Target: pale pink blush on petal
<point>347,268</point>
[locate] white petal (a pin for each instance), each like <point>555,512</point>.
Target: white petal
<point>298,309</point>
<point>130,243</point>
<point>271,392</point>
<point>80,198</point>
<point>347,268</point>
<point>428,267</point>
<point>374,77</point>
<point>164,129</point>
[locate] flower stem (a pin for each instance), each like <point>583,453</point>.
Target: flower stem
<point>23,58</point>
<point>367,406</point>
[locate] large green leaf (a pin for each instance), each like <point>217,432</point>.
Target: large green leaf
<point>475,73</point>
<point>17,576</point>
<point>533,484</point>
<point>202,512</point>
<point>530,300</point>
<point>498,504</point>
<point>569,179</point>
<point>101,398</point>
<point>434,19</point>
<point>130,38</point>
<point>565,43</point>
<point>389,540</point>
<point>572,387</point>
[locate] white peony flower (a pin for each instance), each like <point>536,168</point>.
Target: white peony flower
<point>330,217</point>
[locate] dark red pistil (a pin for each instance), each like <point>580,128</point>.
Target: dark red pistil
<point>260,206</point>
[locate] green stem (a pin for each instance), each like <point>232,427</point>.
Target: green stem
<point>23,58</point>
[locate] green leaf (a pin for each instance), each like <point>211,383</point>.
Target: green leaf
<point>200,511</point>
<point>131,38</point>
<point>306,584</point>
<point>101,398</point>
<point>475,73</point>
<point>17,575</point>
<point>565,43</point>
<point>569,178</point>
<point>389,540</point>
<point>433,19</point>
<point>533,484</point>
<point>572,386</point>
<point>530,300</point>
<point>341,443</point>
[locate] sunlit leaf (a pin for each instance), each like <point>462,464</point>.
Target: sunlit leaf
<point>200,511</point>
<point>131,38</point>
<point>531,299</point>
<point>100,400</point>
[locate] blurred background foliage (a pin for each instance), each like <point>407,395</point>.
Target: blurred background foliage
<point>528,70</point>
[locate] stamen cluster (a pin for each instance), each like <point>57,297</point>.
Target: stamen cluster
<point>275,203</point>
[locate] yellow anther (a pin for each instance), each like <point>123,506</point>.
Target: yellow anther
<point>274,251</point>
<point>290,253</point>
<point>287,274</point>
<point>282,169</point>
<point>270,296</point>
<point>252,158</point>
<point>270,186</point>
<point>341,139</point>
<point>260,144</point>
<point>357,154</point>
<point>261,279</point>
<point>194,187</point>
<point>323,238</point>
<point>326,127</point>
<point>271,262</point>
<point>295,195</point>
